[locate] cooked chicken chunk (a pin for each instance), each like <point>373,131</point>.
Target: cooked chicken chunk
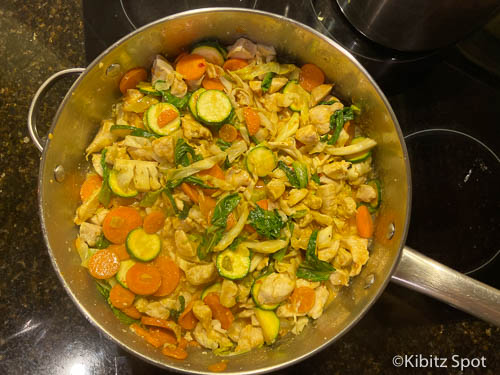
<point>201,274</point>
<point>276,288</point>
<point>90,233</point>
<point>242,49</point>
<point>308,135</point>
<point>193,129</point>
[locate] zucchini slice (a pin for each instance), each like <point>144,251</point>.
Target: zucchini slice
<point>121,276</point>
<point>269,323</point>
<point>213,107</point>
<point>117,189</point>
<point>154,112</point>
<point>147,88</point>
<point>260,161</point>
<point>143,246</point>
<point>255,293</point>
<point>233,264</point>
<point>214,288</point>
<point>375,204</point>
<point>212,51</point>
<point>193,100</point>
<point>360,156</point>
<point>304,96</point>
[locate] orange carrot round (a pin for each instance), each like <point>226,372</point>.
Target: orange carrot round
<point>155,322</point>
<point>207,206</point>
<point>163,336</point>
<point>187,320</point>
<point>166,117</point>
<point>264,204</point>
<point>215,171</point>
<point>179,56</point>
<point>132,78</point>
<point>228,133</point>
<point>218,367</point>
<point>146,335</point>
<point>154,221</point>
<point>170,275</point>
<point>234,64</point>
<point>143,279</point>
<point>190,192</point>
<point>132,312</point>
<point>364,222</point>
<point>191,66</point>
<point>252,120</point>
<point>119,222</point>
<point>303,299</point>
<point>91,184</point>
<point>212,84</point>
<point>121,297</point>
<point>120,251</point>
<point>220,312</point>
<point>103,264</point>
<point>177,353</point>
<point>310,77</point>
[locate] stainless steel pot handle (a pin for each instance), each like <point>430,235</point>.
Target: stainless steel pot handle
<point>425,275</point>
<point>33,132</point>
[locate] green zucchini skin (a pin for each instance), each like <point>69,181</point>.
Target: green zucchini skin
<point>193,100</point>
<point>121,276</point>
<point>260,161</point>
<point>213,108</point>
<point>154,112</point>
<point>116,189</point>
<point>270,324</point>
<point>254,291</point>
<point>143,246</point>
<point>233,264</point>
<point>214,288</point>
<point>358,158</point>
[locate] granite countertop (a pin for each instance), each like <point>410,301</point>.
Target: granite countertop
<point>42,332</point>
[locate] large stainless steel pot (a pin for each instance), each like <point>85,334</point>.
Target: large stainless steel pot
<point>63,166</point>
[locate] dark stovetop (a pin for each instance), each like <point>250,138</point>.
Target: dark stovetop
<point>42,332</point>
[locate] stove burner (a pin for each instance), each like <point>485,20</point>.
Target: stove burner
<point>456,181</point>
<point>142,12</point>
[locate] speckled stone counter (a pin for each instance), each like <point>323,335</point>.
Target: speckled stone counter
<point>42,332</point>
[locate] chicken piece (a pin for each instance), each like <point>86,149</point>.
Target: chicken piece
<point>306,284</point>
<point>308,135</point>
<point>157,310</point>
<point>313,201</point>
<point>203,313</point>
<point>201,274</point>
<point>138,147</point>
<point>99,216</point>
<point>339,277</point>
<point>243,292</point>
<point>193,129</point>
<point>114,152</point>
<point>328,193</point>
<point>179,87</point>
<point>366,193</point>
<point>319,116</point>
<point>299,325</point>
<point>96,163</point>
<point>276,288</point>
<point>296,195</point>
<point>324,237</point>
<point>90,233</point>
<point>87,209</point>
<point>337,170</point>
<point>342,259</point>
<point>321,219</point>
<point>163,71</point>
<point>184,247</point>
<point>319,303</point>
<point>357,173</point>
<point>238,177</point>
<point>358,247</point>
<point>201,336</point>
<point>235,329</point>
<point>256,86</point>
<point>250,337</point>
<point>195,84</point>
<point>103,138</point>
<point>328,253</point>
<point>268,52</point>
<point>276,84</point>
<point>228,293</point>
<point>242,49</point>
<point>319,93</point>
<point>300,238</point>
<point>164,148</point>
<point>275,188</point>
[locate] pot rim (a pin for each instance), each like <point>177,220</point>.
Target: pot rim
<point>346,53</point>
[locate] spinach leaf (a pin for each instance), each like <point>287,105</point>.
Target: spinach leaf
<point>223,145</point>
<point>105,192</point>
<point>208,241</point>
<point>297,175</point>
<point>172,184</point>
<point>185,211</point>
<point>299,214</point>
<point>313,268</point>
<point>180,103</point>
<point>290,174</point>
<point>226,165</point>
<point>315,178</point>
<point>266,223</point>
<point>136,132</point>
<point>174,314</point>
<point>103,288</point>
<point>337,121</point>
<point>182,152</point>
<point>223,208</point>
<point>102,242</point>
<point>122,317</point>
<point>150,198</point>
<point>280,254</point>
<point>266,82</point>
<point>329,102</point>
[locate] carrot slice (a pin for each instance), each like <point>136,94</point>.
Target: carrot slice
<point>228,133</point>
<point>303,299</point>
<point>177,353</point>
<point>119,222</point>
<point>364,222</point>
<point>190,192</point>
<point>163,336</point>
<point>220,312</point>
<point>215,171</point>
<point>194,343</point>
<point>103,264</point>
<point>179,56</point>
<point>143,279</point>
<point>158,322</point>
<point>154,221</point>
<point>207,206</point>
<point>264,204</point>
<point>218,367</point>
<point>166,117</point>
<point>132,312</point>
<point>310,77</point>
<point>91,184</point>
<point>191,66</point>
<point>234,64</point>
<point>231,221</point>
<point>131,78</point>
<point>146,335</point>
<point>252,120</point>
<point>212,84</point>
<point>187,320</point>
<point>120,251</point>
<point>170,275</point>
<point>121,297</point>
